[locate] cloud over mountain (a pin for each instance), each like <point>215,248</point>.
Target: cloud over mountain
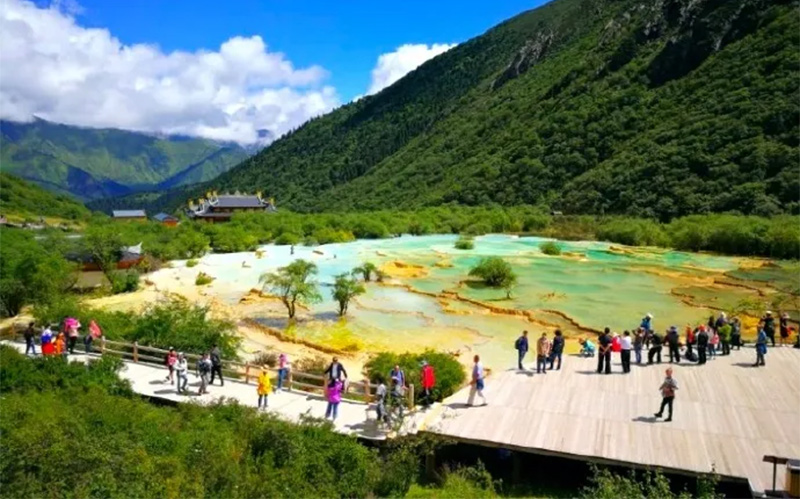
<point>394,65</point>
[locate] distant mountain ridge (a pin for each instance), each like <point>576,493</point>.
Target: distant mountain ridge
<point>655,108</point>
<point>93,163</point>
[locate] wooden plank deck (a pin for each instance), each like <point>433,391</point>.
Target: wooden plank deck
<point>727,415</point>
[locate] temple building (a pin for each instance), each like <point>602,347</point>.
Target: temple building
<point>220,208</point>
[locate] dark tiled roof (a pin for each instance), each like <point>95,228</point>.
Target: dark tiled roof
<point>211,215</point>
<point>162,217</point>
<point>238,202</point>
<point>128,213</point>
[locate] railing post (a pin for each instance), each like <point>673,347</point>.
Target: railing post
<point>411,397</point>
<point>366,388</point>
<point>247,373</point>
<point>136,351</point>
<point>102,345</point>
<point>289,381</point>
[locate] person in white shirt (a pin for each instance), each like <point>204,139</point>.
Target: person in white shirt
<point>182,369</point>
<point>477,382</point>
<point>626,345</point>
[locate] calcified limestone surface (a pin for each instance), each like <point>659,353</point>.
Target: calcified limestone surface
<point>428,301</point>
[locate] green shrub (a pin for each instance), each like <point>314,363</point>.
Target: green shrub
<point>448,371</point>
<point>608,485</point>
<point>633,232</point>
<point>310,241</point>
<point>202,279</point>
<point>465,243</point>
<point>550,248</point>
<point>192,263</point>
<point>125,281</point>
<point>269,359</point>
<point>287,238</point>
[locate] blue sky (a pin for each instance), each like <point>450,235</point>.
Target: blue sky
<point>345,37</point>
<point>225,70</point>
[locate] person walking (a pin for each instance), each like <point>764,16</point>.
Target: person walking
<point>702,345</point>
<point>761,346</point>
<point>182,369</point>
<point>557,349</point>
<point>216,365</point>
<point>283,370</point>
<point>72,327</point>
<point>667,388</point>
<point>542,352</point>
<point>398,373</point>
<point>334,398</point>
<point>30,334</point>
<point>725,338</point>
<point>380,401</point>
<point>170,360</point>
<point>47,341</point>
<point>477,381</point>
<point>626,346</point>
<point>204,367</point>
<point>638,342</point>
<point>784,328</point>
<point>521,345</point>
<point>335,371</point>
<point>428,379</point>
<point>264,387</point>
<point>60,347</point>
<point>604,353</point>
<point>674,344</point>
<point>94,333</point>
<point>769,326</point>
<point>655,350</point>
<point>736,333</point>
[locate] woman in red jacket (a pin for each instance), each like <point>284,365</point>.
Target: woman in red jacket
<point>428,381</point>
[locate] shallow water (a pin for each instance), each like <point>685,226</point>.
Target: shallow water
<point>594,284</point>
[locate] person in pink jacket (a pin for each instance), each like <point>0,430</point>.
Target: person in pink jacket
<point>334,397</point>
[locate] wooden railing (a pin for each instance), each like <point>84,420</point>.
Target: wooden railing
<point>363,391</point>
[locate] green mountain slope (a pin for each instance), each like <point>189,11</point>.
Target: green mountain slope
<point>20,200</point>
<point>94,163</point>
<point>650,107</point>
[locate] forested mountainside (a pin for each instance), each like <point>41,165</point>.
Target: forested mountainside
<point>656,108</point>
<point>91,163</point>
<point>22,200</point>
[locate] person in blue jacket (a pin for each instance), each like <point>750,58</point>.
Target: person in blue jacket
<point>761,346</point>
<point>522,348</point>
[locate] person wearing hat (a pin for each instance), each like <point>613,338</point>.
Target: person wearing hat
<point>667,388</point>
<point>784,328</point>
<point>604,353</point>
<point>769,326</point>
<point>428,380</point>
<point>674,344</point>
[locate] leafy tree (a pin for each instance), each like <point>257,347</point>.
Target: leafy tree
<point>550,248</point>
<point>104,243</point>
<point>344,289</point>
<point>366,271</point>
<point>293,284</point>
<point>495,272</point>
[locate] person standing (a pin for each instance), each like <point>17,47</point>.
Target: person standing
<point>94,333</point>
<point>638,342</point>
<point>674,343</point>
<point>736,333</point>
<point>182,369</point>
<point>170,360</point>
<point>521,345</point>
<point>557,349</point>
<point>283,370</point>
<point>647,323</point>
<point>655,349</point>
<point>46,339</point>
<point>769,326</point>
<point>60,347</point>
<point>690,340</point>
<point>542,351</point>
<point>334,398</point>
<point>216,365</point>
<point>398,373</point>
<point>380,401</point>
<point>604,353</point>
<point>29,334</point>
<point>784,328</point>
<point>428,379</point>
<point>626,346</point>
<point>72,332</point>
<point>204,367</point>
<point>761,346</point>
<point>668,388</point>
<point>725,338</point>
<point>335,371</point>
<point>264,387</point>
<point>713,343</point>
<point>477,384</point>
<point>702,345</point>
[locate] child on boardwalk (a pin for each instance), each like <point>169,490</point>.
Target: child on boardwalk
<point>477,382</point>
<point>264,387</point>
<point>334,398</point>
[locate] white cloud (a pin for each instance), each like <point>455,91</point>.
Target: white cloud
<point>53,68</point>
<point>394,65</point>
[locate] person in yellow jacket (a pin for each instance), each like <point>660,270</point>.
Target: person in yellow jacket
<point>264,388</point>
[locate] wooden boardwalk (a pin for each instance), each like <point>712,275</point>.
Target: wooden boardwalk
<point>727,415</point>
